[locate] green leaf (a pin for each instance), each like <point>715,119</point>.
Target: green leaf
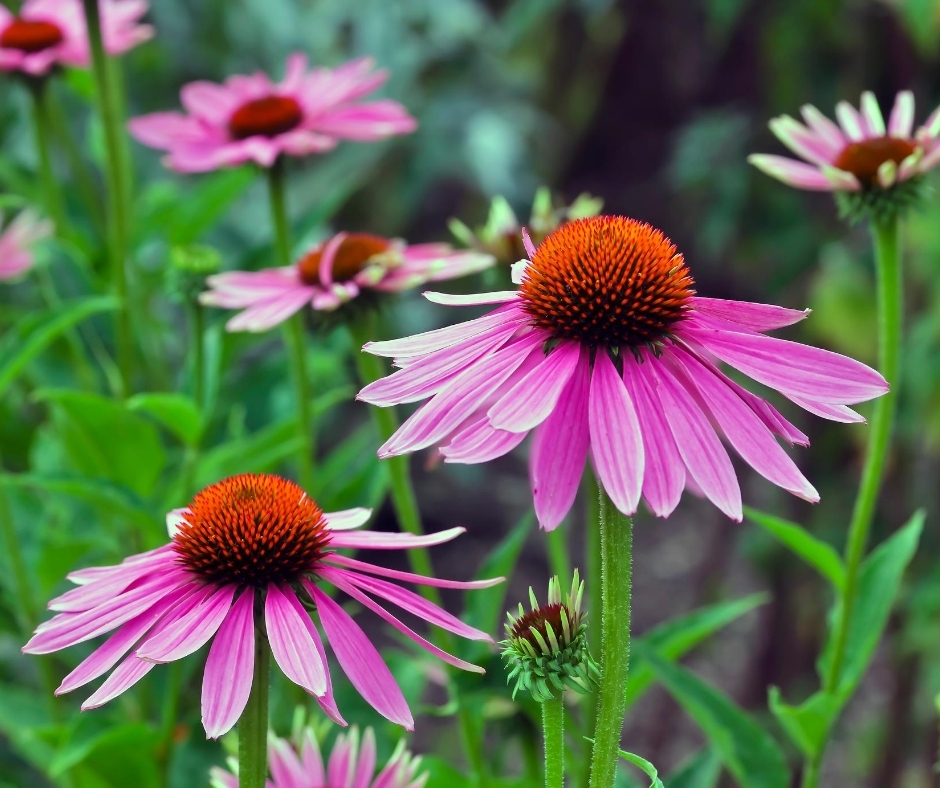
<point>675,638</point>
<point>807,723</point>
<point>123,755</point>
<point>442,774</point>
<point>206,202</point>
<point>261,451</point>
<point>350,475</point>
<point>879,581</point>
<point>645,766</point>
<point>700,771</point>
<point>26,340</point>
<point>485,607</point>
<point>104,440</point>
<point>746,749</point>
<point>177,412</point>
<point>818,554</point>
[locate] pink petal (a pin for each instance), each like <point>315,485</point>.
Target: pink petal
<point>744,429</point>
<point>823,127</point>
<point>124,676</point>
<point>293,648</point>
<point>366,767</point>
<point>360,661</point>
<point>311,758</point>
<point>347,519</point>
<point>616,440</point>
<point>664,471</point>
<point>840,413</point>
<point>366,122</point>
<point>791,172</point>
<point>805,143</point>
<point>756,317</point>
<point>559,450</point>
<point>792,368</point>
<point>226,683</point>
<point>210,102</point>
<point>347,587</point>
<point>479,442</point>
<point>527,243</point>
<point>410,577</point>
<point>851,121</point>
<point>473,299</point>
<point>704,457</point>
<point>380,540</point>
<point>190,632</point>
<point>165,130</point>
<point>532,399</point>
<point>901,122</point>
<point>286,769</point>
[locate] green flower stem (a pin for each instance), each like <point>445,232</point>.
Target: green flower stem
<point>593,585</point>
<point>616,575</point>
<point>53,203</point>
<point>197,330</point>
<point>553,729</point>
<point>890,318</point>
<point>294,337</point>
<point>253,724</point>
<point>405,502</point>
<point>118,197</point>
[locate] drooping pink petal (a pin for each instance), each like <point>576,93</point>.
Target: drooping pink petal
<point>559,451</point>
<point>432,423</point>
<point>410,577</point>
<point>705,458</point>
<point>532,399</point>
<point>616,440</point>
<point>226,683</point>
<point>664,470</point>
<point>792,368</point>
<point>479,442</point>
<point>826,410</point>
<point>743,428</point>
<point>340,581</point>
<point>365,668</point>
<point>191,632</point>
<point>293,648</point>
<point>122,678</point>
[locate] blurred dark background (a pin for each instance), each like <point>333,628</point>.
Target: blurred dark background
<point>652,106</point>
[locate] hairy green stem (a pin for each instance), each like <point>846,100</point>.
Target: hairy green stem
<point>890,319</point>
<point>253,724</point>
<point>294,338</point>
<point>118,197</point>
<point>198,350</point>
<point>553,730</point>
<point>616,575</point>
<point>592,561</point>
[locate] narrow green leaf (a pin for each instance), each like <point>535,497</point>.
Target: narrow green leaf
<point>177,412</point>
<point>700,771</point>
<point>36,332</point>
<point>745,748</point>
<point>675,638</point>
<point>645,766</point>
<point>818,554</point>
<point>807,723</point>
<point>485,607</point>
<point>879,582</point>
<point>206,202</point>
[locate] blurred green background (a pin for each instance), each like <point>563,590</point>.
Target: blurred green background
<point>652,106</point>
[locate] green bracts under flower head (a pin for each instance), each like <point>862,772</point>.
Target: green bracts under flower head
<point>546,649</point>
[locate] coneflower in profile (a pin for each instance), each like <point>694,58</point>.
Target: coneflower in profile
<point>605,349</point>
<point>249,553</point>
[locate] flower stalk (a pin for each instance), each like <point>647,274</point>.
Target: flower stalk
<point>616,531</point>
<point>118,201</point>
<point>253,724</point>
<point>890,320</point>
<point>294,328</point>
<point>553,730</point>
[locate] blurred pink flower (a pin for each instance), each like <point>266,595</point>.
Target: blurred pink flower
<point>249,118</point>
<point>606,350</point>
<point>333,273</point>
<point>350,765</point>
<point>48,33</point>
<point>250,542</point>
<point>16,256</point>
<point>859,153</point>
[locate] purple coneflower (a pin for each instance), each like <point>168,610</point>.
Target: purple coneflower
<point>350,765</point>
<point>250,552</point>
<point>604,349</point>
<point>334,273</point>
<point>250,118</point>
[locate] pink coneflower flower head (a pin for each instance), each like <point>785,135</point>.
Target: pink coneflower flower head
<point>605,350</point>
<point>248,555</point>
<point>351,764</point>
<point>250,118</point>
<point>348,267</point>
<point>49,33</point>
<point>16,242</point>
<point>870,165</point>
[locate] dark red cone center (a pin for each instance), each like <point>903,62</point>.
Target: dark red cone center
<point>31,35</point>
<point>266,117</point>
